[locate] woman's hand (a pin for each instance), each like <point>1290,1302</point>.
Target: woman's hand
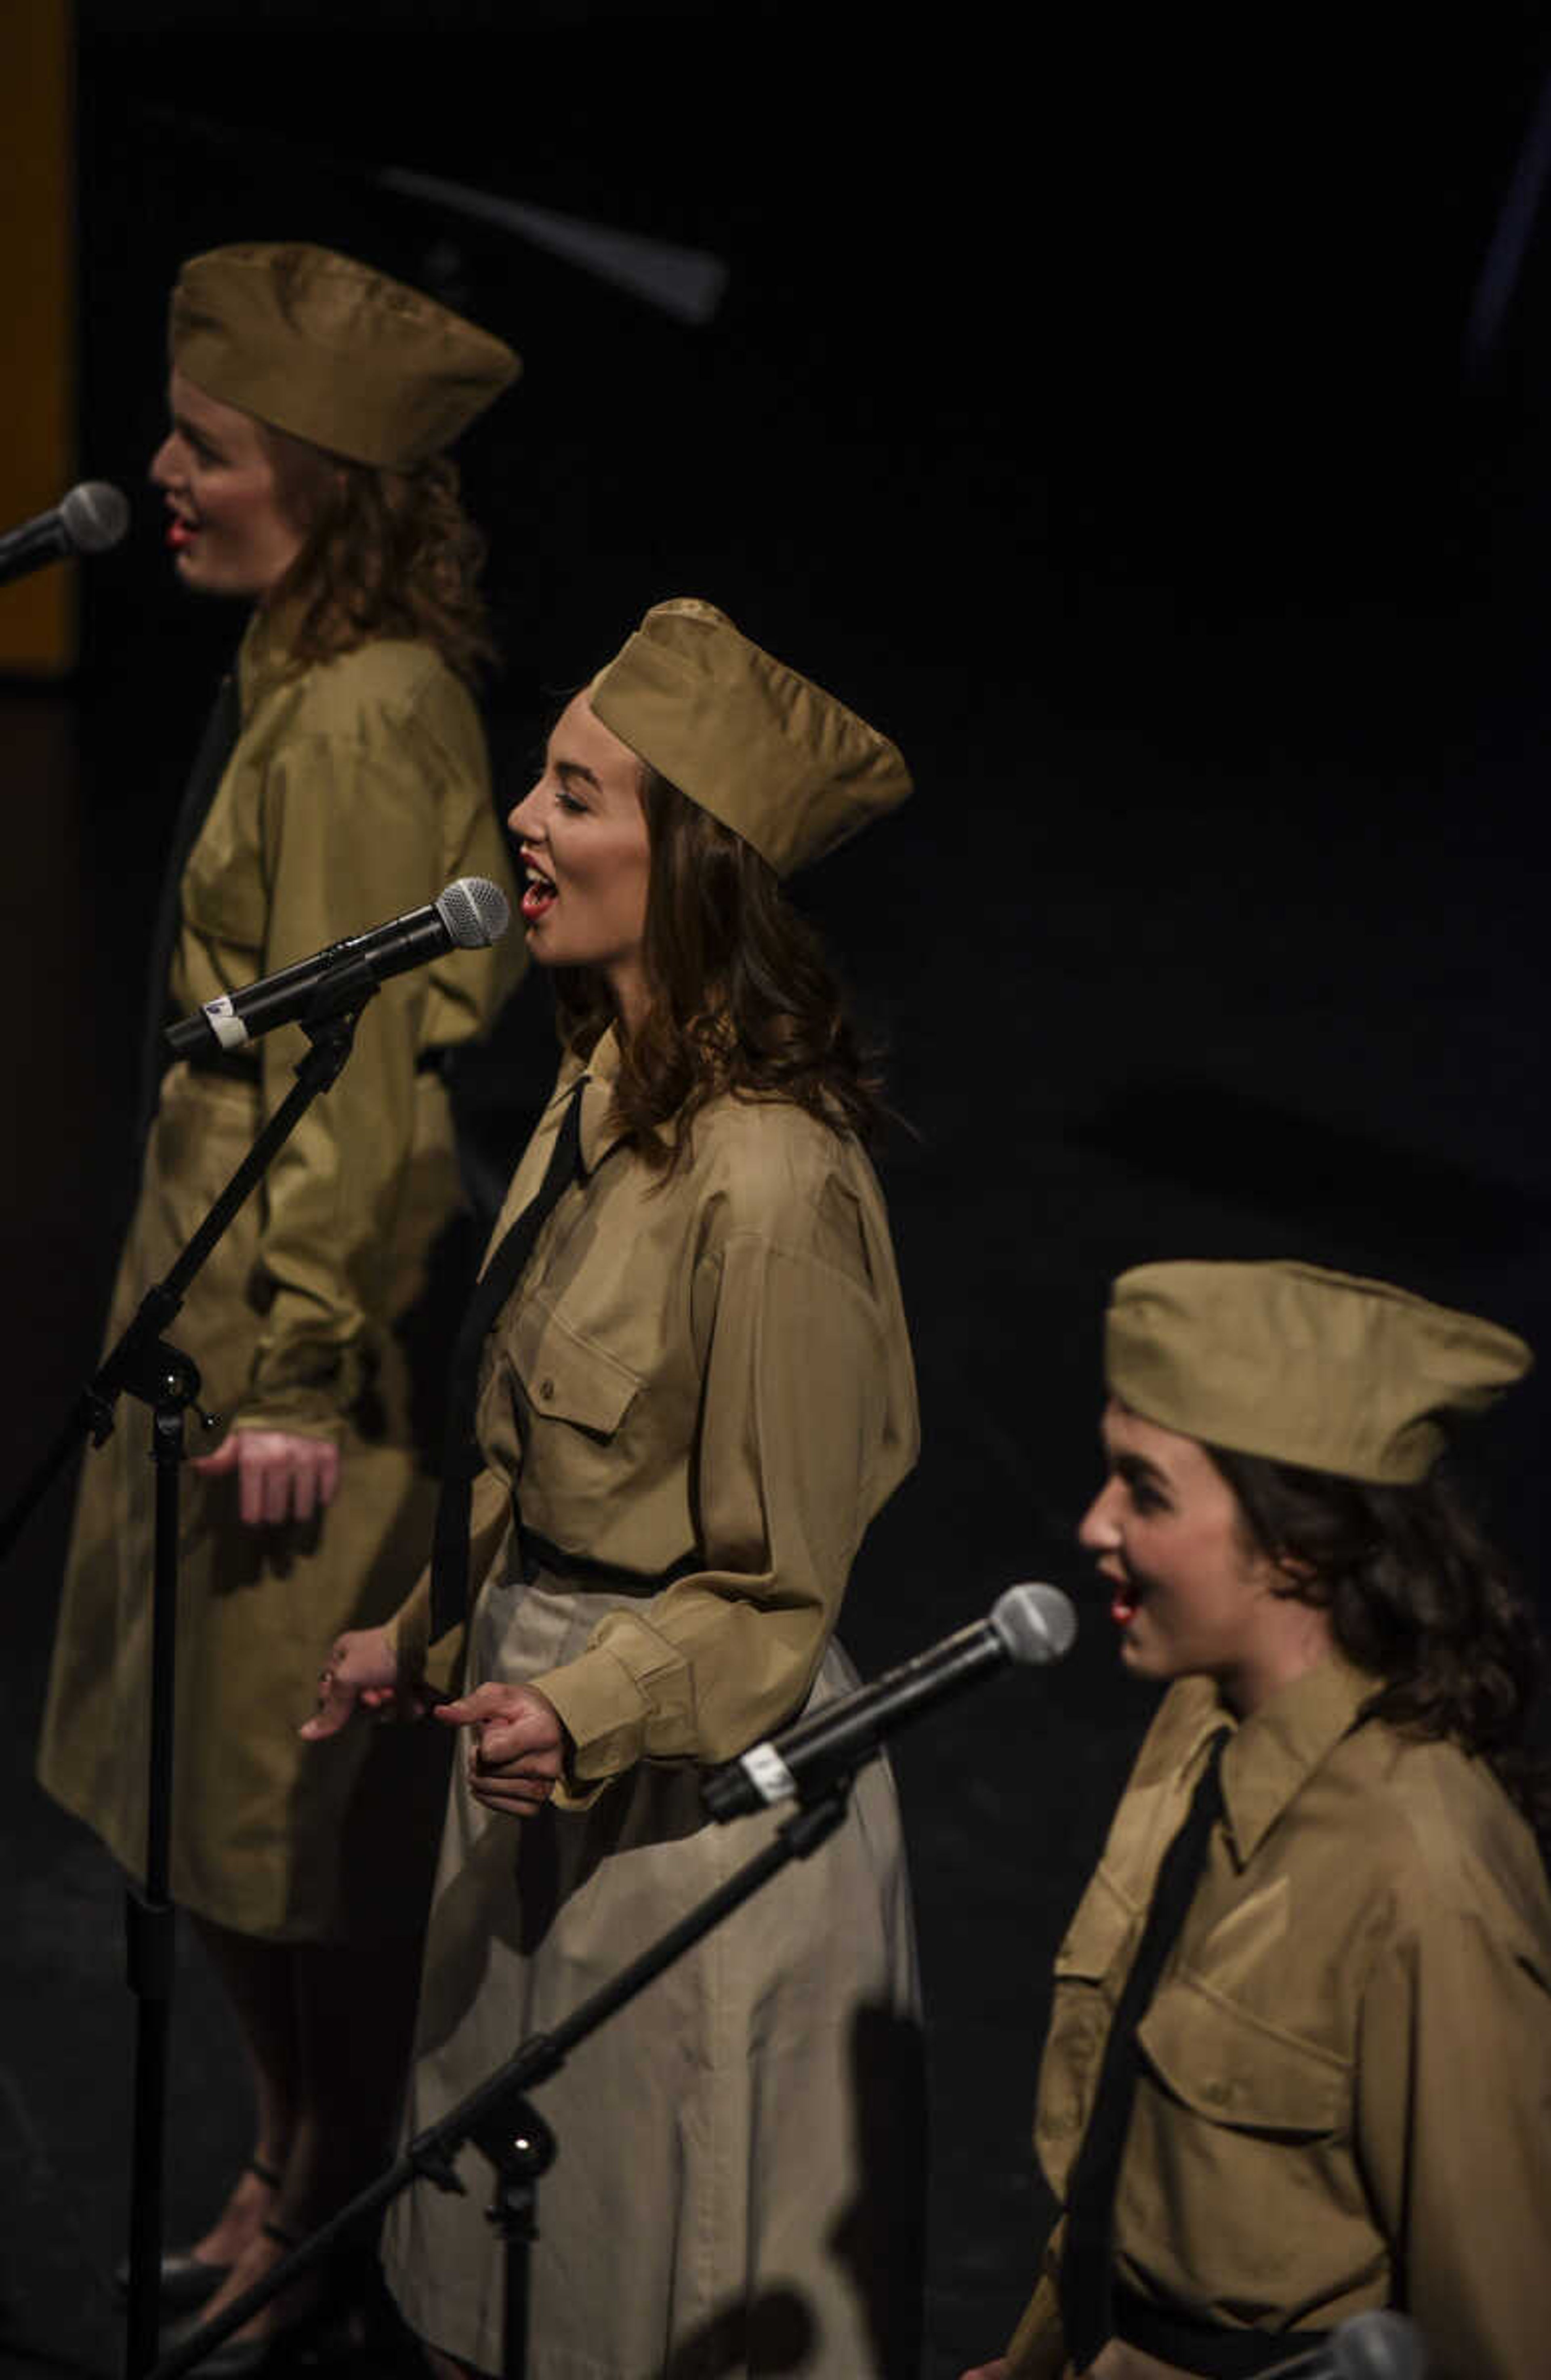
<point>281,1475</point>
<point>518,1748</point>
<point>362,1673</point>
<point>994,2371</point>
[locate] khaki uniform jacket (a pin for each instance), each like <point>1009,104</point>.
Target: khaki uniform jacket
<point>701,1390</point>
<point>356,791</point>
<point>1345,2097</point>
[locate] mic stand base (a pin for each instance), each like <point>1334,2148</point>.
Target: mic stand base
<point>149,1919</point>
<point>144,1365</point>
<point>497,2111</point>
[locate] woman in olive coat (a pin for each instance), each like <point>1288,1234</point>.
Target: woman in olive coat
<point>303,474</point>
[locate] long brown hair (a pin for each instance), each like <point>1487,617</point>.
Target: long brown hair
<point>741,998</point>
<point>384,553</point>
<point>1417,1597</point>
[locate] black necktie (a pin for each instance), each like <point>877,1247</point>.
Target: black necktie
<point>1087,2272</point>
<point>216,745</point>
<point>462,1459</point>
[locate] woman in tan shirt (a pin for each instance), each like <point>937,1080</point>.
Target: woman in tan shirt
<point>693,1401</point>
<point>310,398</point>
<point>1333,2096</point>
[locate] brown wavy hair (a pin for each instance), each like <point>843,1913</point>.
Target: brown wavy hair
<point>1417,1597</point>
<point>741,998</point>
<point>384,553</point>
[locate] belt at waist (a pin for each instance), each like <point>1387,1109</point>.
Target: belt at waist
<point>1202,2347</point>
<point>536,1553</point>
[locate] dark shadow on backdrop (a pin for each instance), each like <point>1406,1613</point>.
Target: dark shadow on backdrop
<point>1235,1147</point>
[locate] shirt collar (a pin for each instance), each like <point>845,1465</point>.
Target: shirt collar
<point>598,1071</point>
<point>1274,1752</point>
<point>264,654</point>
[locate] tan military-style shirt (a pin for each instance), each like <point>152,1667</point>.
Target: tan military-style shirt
<point>354,792</point>
<point>716,1360</point>
<point>700,1391</point>
<point>1345,2096</point>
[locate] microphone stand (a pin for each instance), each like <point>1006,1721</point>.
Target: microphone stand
<point>145,1365</point>
<point>498,2119</point>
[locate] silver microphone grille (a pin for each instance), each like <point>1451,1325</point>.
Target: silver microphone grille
<point>474,911</point>
<point>1036,1623</point>
<point>94,516</point>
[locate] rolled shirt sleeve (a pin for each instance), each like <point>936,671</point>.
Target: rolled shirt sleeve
<point>787,1459</point>
<point>356,790</point>
<point>702,1389</point>
<point>1454,2136</point>
<point>350,841</point>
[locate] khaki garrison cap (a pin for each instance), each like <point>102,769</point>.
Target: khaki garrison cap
<point>1308,1366</point>
<point>333,352</point>
<point>768,753</point>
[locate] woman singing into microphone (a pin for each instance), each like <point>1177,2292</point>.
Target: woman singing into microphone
<point>342,781</point>
<point>1299,2067</point>
<point>696,1390</point>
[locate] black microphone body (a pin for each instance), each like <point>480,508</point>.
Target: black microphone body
<point>89,520</point>
<point>1027,1623</point>
<point>468,915</point>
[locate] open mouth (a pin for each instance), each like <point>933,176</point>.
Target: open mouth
<point>1125,1599</point>
<point>539,894</point>
<point>180,532</point>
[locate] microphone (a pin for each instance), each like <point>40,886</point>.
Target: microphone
<point>1027,1623</point>
<point>1372,2346</point>
<point>89,520</point>
<point>467,916</point>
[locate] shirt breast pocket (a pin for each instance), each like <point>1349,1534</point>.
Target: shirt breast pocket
<point>576,1397</point>
<point>1228,2067</point>
<point>1241,2152</point>
<point>222,895</point>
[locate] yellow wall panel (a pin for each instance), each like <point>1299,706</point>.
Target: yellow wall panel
<point>37,292</point>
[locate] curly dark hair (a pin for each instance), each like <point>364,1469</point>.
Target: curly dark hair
<point>384,553</point>
<point>1417,1597</point>
<point>741,997</point>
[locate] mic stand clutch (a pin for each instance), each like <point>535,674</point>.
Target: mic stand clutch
<point>498,2120</point>
<point>522,2148</point>
<point>144,1365</point>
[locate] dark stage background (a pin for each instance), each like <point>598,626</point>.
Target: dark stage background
<point>1089,406</point>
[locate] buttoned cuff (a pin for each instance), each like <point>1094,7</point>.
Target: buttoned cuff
<point>614,1719</point>
<point>302,1411</point>
<point>304,1383</point>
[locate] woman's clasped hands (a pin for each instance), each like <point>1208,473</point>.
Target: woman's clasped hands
<point>516,1745</point>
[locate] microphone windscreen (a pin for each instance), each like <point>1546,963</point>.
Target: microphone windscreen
<point>1036,1623</point>
<point>94,516</point>
<point>474,911</point>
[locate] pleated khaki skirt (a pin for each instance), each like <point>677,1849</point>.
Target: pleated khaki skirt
<point>740,2179</point>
